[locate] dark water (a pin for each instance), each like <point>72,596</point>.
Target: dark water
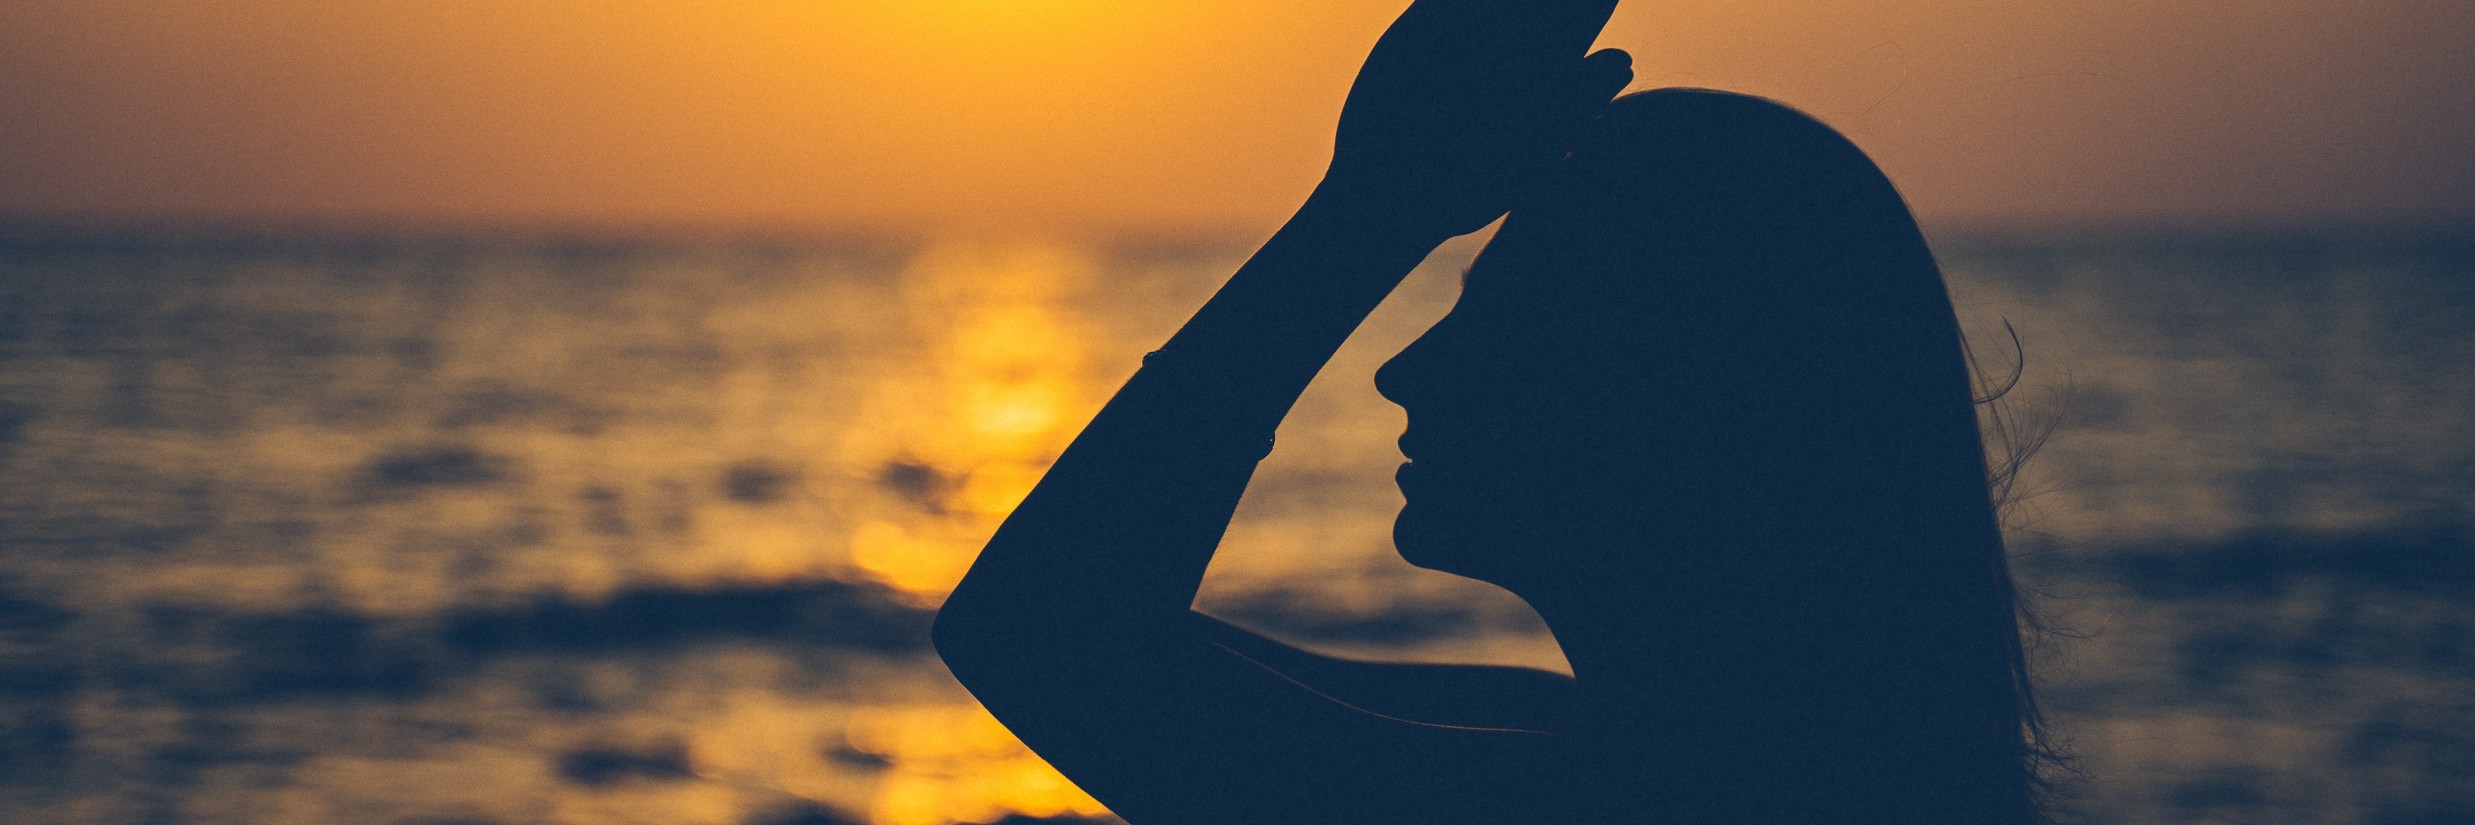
<point>311,529</point>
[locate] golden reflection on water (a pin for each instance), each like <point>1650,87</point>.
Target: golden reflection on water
<point>954,442</point>
<point>959,439</point>
<point>201,452</point>
<point>955,764</point>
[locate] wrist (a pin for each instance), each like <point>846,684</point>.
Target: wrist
<point>1377,219</point>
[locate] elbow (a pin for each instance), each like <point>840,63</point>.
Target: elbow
<point>962,643</point>
<point>989,644</point>
<point>972,640</point>
<point>956,634</point>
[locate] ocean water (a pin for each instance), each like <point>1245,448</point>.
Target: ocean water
<point>432,529</point>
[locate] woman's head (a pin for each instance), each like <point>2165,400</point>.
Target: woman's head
<point>1718,311</point>
<point>1710,380</point>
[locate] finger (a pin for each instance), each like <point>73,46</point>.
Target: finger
<point>1605,73</point>
<point>1591,15</point>
<point>1540,27</point>
<point>1594,81</point>
<point>1558,26</point>
<point>1578,22</point>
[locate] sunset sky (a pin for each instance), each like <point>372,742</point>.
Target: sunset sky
<point>1165,114</point>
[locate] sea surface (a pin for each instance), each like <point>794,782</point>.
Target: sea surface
<point>440,529</point>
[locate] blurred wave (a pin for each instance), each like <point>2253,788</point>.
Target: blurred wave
<point>319,527</point>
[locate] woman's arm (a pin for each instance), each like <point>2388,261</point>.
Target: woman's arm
<point>1118,533</point>
<point>1466,696</point>
<point>1461,105</point>
<point>1073,626</point>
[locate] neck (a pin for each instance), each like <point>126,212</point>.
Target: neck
<point>1610,659</point>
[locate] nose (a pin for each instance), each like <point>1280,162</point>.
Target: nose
<point>1424,374</point>
<point>1401,379</point>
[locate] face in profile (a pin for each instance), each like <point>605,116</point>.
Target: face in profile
<point>1508,444</point>
<point>1717,323</point>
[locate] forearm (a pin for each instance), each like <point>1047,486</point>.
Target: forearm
<point>1284,313</point>
<point>1121,528</point>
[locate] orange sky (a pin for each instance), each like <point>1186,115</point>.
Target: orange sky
<point>1164,113</point>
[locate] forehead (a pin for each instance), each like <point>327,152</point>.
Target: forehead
<point>1541,274</point>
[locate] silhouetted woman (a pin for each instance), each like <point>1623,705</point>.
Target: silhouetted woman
<point>1702,404</point>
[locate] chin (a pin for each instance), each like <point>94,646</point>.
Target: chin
<point>1426,539</point>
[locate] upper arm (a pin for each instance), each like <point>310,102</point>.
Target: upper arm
<point>1166,724</point>
<point>1481,696</point>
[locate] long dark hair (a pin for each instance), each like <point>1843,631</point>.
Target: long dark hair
<point>1824,564</point>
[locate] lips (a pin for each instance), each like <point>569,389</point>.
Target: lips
<point>1410,476</point>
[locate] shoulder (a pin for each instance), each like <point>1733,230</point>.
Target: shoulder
<point>1219,725</point>
<point>1454,695</point>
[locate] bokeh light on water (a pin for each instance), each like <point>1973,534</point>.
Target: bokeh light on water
<point>432,530</point>
<point>960,435</point>
<point>958,764</point>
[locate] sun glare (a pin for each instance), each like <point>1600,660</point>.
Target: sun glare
<point>956,764</point>
<point>956,445</point>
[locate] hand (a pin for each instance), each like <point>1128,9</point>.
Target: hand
<point>1466,103</point>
